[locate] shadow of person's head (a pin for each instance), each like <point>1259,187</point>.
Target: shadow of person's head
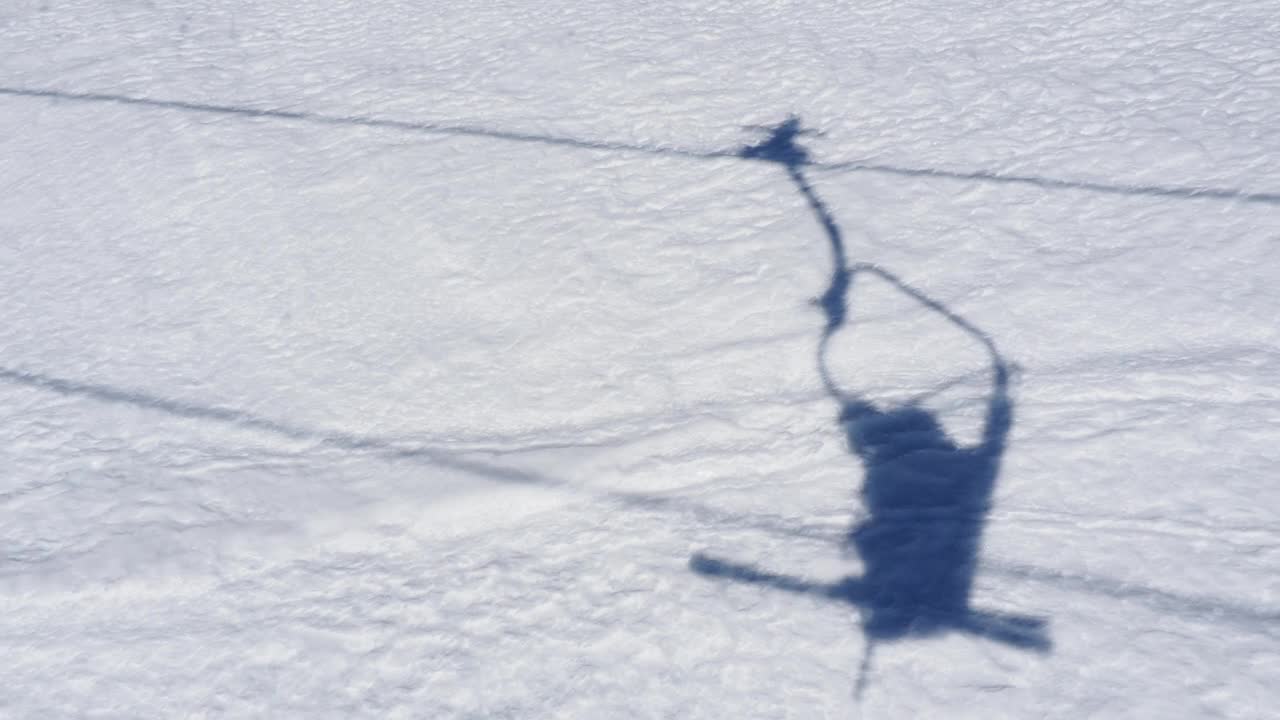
<point>877,435</point>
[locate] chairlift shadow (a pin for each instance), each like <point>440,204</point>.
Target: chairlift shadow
<point>926,497</point>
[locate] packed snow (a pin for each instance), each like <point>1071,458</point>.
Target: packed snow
<point>750,359</point>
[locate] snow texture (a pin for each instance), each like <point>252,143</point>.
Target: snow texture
<point>750,359</point>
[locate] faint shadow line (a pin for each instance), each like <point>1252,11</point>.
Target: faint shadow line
<point>1048,183</point>
<point>398,450</point>
<point>1191,606</point>
<point>776,525</point>
<point>358,120</point>
<point>108,394</point>
<point>243,419</point>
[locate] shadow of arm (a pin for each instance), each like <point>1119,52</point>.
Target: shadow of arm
<point>999,419</point>
<point>1000,408</point>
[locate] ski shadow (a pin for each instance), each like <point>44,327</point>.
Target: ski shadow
<point>926,498</point>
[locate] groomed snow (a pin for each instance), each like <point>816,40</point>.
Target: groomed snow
<point>395,361</point>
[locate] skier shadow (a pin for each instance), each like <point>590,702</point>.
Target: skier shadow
<point>926,497</point>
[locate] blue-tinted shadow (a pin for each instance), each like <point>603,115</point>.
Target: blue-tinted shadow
<point>926,498</point>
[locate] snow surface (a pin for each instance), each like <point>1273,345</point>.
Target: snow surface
<point>409,360</point>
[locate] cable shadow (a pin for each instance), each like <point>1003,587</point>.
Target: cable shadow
<point>359,121</point>
<point>1198,607</point>
<point>391,449</point>
<point>926,497</point>
<point>400,450</point>
<point>1048,183</point>
<point>982,176</point>
<point>702,513</point>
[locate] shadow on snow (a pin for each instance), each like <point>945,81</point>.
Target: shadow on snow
<point>393,449</point>
<point>927,498</point>
<point>983,176</point>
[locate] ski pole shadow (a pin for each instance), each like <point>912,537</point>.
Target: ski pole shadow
<point>925,496</point>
